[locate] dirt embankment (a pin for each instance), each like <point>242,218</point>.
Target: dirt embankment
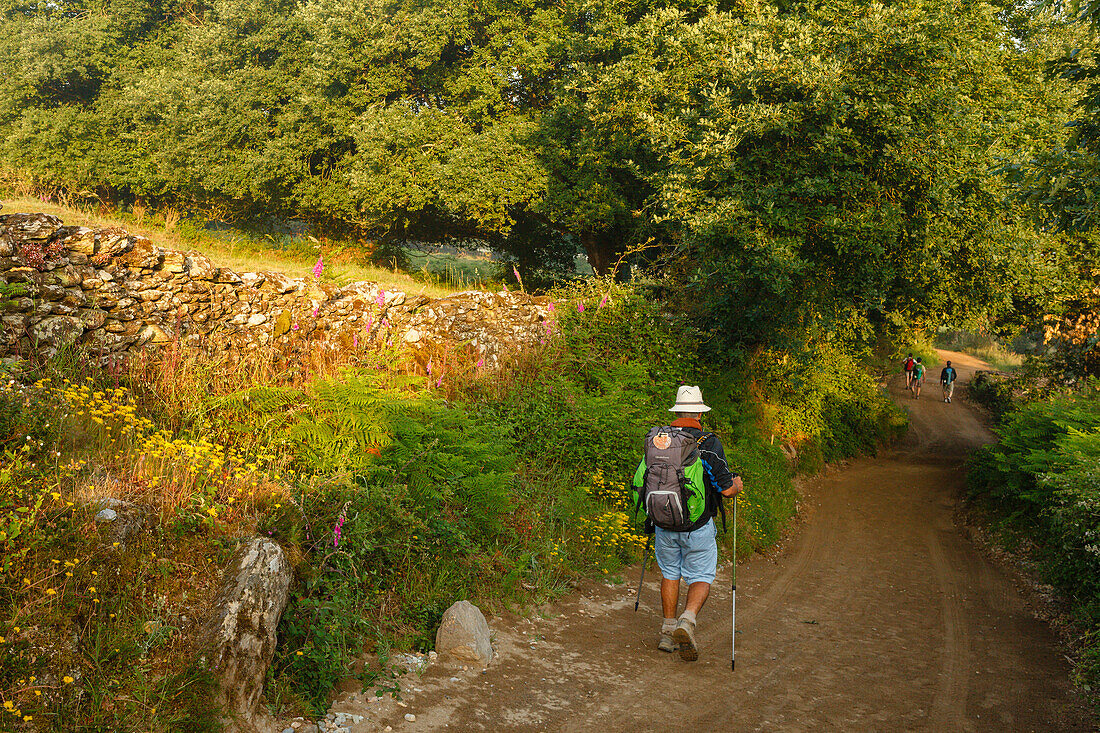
<point>878,615</point>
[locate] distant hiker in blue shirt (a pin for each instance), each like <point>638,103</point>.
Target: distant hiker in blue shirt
<point>947,381</point>
<point>679,485</point>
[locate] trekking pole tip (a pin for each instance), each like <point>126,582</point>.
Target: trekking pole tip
<point>732,663</point>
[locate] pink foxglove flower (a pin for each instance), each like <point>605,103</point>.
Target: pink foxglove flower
<point>580,308</point>
<point>315,309</point>
<point>381,299</point>
<point>429,367</point>
<point>355,341</point>
<point>319,267</point>
<point>480,363</point>
<point>439,382</point>
<point>603,301</point>
<point>337,531</point>
<point>370,324</point>
<point>295,327</point>
<point>550,307</point>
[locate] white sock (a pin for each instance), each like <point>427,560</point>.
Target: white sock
<point>688,615</point>
<point>668,626</point>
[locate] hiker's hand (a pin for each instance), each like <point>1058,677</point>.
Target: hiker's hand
<point>735,487</point>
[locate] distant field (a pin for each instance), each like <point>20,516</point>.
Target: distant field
<point>247,252</point>
<point>1002,357</point>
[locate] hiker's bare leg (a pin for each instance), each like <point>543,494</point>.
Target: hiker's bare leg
<point>697,596</point>
<point>670,596</point>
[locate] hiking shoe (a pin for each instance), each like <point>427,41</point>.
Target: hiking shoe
<point>684,635</point>
<point>666,644</point>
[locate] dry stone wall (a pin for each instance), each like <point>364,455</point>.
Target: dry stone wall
<point>113,291</point>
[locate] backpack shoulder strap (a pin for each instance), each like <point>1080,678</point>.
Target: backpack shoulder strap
<point>720,498</point>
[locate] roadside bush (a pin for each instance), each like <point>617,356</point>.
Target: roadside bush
<point>992,391</point>
<point>1044,479</point>
<point>821,402</point>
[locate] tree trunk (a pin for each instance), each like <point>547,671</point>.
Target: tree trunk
<point>601,250</point>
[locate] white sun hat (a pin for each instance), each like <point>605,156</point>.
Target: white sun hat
<point>689,399</point>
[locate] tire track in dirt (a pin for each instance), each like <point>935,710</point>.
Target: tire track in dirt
<point>877,615</point>
<point>949,705</point>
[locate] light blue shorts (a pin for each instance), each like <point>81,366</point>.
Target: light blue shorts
<point>692,556</point>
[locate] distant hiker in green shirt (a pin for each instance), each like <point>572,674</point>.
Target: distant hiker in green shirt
<point>947,381</point>
<point>918,378</point>
<point>679,485</point>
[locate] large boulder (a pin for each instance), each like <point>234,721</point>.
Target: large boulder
<point>463,635</point>
<point>241,634</point>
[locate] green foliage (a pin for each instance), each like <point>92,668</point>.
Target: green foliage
<point>820,400</point>
<point>825,165</point>
<point>993,392</point>
<point>1044,476</point>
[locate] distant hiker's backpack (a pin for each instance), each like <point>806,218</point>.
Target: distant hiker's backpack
<point>669,484</point>
<point>909,364</point>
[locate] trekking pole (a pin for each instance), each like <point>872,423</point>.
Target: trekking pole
<point>733,594</point>
<point>645,559</point>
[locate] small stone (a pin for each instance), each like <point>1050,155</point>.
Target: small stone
<point>288,730</point>
<point>296,724</point>
<point>410,717</point>
<point>455,679</point>
<point>106,515</point>
<point>388,728</point>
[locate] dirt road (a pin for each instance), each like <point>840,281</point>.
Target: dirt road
<point>878,615</point>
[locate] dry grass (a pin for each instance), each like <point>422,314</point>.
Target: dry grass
<point>240,255</point>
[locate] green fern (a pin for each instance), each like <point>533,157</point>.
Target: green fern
<point>349,423</point>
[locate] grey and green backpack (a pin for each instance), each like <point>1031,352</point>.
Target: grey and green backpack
<point>668,485</point>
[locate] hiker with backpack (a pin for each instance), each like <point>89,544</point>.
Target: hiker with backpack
<point>918,378</point>
<point>679,486</point>
<point>947,380</point>
<point>909,365</point>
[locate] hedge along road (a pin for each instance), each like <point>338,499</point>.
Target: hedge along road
<point>878,614</point>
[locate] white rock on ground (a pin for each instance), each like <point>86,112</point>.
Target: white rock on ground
<point>464,634</point>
